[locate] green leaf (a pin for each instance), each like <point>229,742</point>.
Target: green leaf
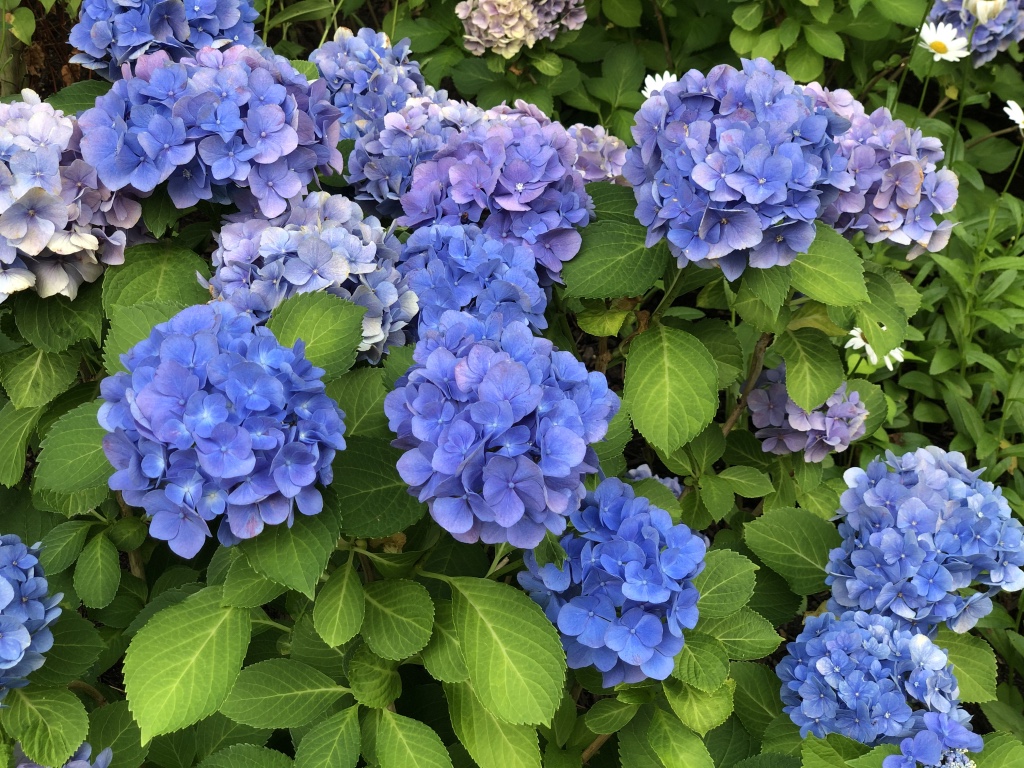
<point>515,659</point>
<point>57,322</point>
<point>160,213</point>
<point>158,272</point>
<point>443,657</point>
<point>374,681</point>
<point>49,724</point>
<point>614,262</point>
<point>717,496</point>
<point>296,556</point>
<point>700,710</point>
<point>492,743</point>
<point>756,696</point>
<point>23,24</point>
<point>130,325</point>
<point>804,64</point>
<point>79,96</point>
<point>399,618</point>
<point>181,665</point>
<point>726,583</point>
<point>98,572</point>
<point>245,588</point>
<point>18,426</point>
<point>723,344</point>
<point>373,499</point>
<point>304,10</point>
<point>744,634</point>
<point>671,388</point>
<point>331,327</point>
<point>1001,751</point>
<point>624,13</point>
<point>246,756</point>
<point>76,646</point>
<point>622,75</point>
<point>813,370</point>
<point>334,743</point>
<point>610,715</point>
<point>113,726</point>
<point>609,451</point>
<point>33,377</point>
<point>339,608</point>
<point>280,693</point>
<point>612,202</point>
<point>676,745</point>
<point>831,271</point>
<point>703,662</point>
<point>974,664</point>
<point>360,393</point>
<point>62,544</point>
<point>906,12</point>
<point>217,732</point>
<point>825,41</point>
<point>71,457</point>
<point>401,742</point>
<point>747,482</point>
<point>749,17</point>
<point>882,319</point>
<point>795,544</point>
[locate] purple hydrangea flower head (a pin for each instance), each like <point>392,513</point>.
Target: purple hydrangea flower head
<point>898,192</point>
<point>925,541</point>
<point>784,427</point>
<point>986,38</point>
<point>26,613</point>
<point>238,122</point>
<point>625,593</point>
<point>868,678</point>
<point>505,26</point>
<point>367,78</point>
<point>112,33</point>
<point>734,167</point>
<point>497,428</point>
<point>216,419</point>
<point>323,243</point>
<point>601,155</point>
<point>59,224</point>
<point>81,759</point>
<point>643,472</point>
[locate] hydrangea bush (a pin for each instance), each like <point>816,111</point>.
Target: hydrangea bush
<point>514,385</point>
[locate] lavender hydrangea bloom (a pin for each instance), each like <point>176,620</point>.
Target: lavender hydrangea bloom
<point>367,78</point>
<point>112,33</point>
<point>215,419</point>
<point>26,613</point>
<point>925,541</point>
<point>625,592</point>
<point>81,759</point>
<point>601,155</point>
<point>643,472</point>
<point>59,225</point>
<point>323,243</point>
<point>784,427</point>
<point>866,677</point>
<point>734,167</point>
<point>240,122</point>
<point>505,26</point>
<point>898,191</point>
<point>988,39</point>
<point>497,428</point>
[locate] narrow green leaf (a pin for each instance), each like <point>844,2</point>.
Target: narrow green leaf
<point>98,572</point>
<point>17,427</point>
<point>745,634</point>
<point>279,693</point>
<point>747,482</point>
<point>79,96</point>
<point>610,715</point>
<point>338,612</point>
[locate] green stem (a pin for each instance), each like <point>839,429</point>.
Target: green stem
<point>1016,165</point>
<point>671,292</point>
<point>924,92</point>
<point>271,623</point>
<point>917,37</point>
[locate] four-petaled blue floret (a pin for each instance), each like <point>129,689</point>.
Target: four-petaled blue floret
<point>216,419</point>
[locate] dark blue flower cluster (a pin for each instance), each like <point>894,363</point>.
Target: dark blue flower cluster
<point>921,532</point>
<point>111,33</point>
<point>216,419</point>
<point>26,613</point>
<point>324,243</point>
<point>784,427</point>
<point>458,267</point>
<point>625,592</point>
<point>59,225</point>
<point>863,676</point>
<point>497,428</point>
<point>897,189</point>
<point>237,121</point>
<point>643,472</point>
<point>366,77</point>
<point>987,38</point>
<point>733,168</point>
<point>512,174</point>
<point>81,759</point>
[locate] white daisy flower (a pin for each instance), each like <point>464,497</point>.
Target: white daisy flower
<point>859,341</point>
<point>655,83</point>
<point>943,42</point>
<point>985,10</point>
<point>1015,113</point>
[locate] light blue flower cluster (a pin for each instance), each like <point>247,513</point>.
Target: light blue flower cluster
<point>644,472</point>
<point>26,613</point>
<point>921,533</point>
<point>458,267</point>
<point>238,122</point>
<point>497,427</point>
<point>898,191</point>
<point>625,592</point>
<point>734,167</point>
<point>323,243</point>
<point>602,156</point>
<point>784,427</point>
<point>216,419</point>
<point>81,759</point>
<point>112,33</point>
<point>59,225</point>
<point>367,77</point>
<point>863,676</point>
<point>988,39</point>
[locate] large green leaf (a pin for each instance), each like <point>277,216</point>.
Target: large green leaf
<point>131,324</point>
<point>113,726</point>
<point>72,457</point>
<point>181,665</point>
<point>156,272</point>
<point>98,572</point>
<point>703,662</point>
<point>245,588</point>
<point>726,583</point>
<point>974,664</point>
<point>831,271</point>
<point>372,498</point>
<point>50,724</point>
<point>331,327</point>
<point>297,556</point>
<point>613,202</point>
<point>491,742</point>
<point>756,697</point>
<point>795,544</point>
<point>360,393</point>
<point>399,618</point>
<point>333,743</point>
<point>813,370</point>
<point>613,262</point>
<point>280,693</point>
<point>57,322</point>
<point>374,681</point>
<point>745,634</point>
<point>247,756</point>
<point>340,606</point>
<point>76,646</point>
<point>675,744</point>
<point>78,97</point>
<point>17,427</point>
<point>33,377</point>
<point>401,742</point>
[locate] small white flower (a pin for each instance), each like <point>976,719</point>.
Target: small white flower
<point>859,341</point>
<point>984,10</point>
<point>942,41</point>
<point>1015,113</point>
<point>655,83</point>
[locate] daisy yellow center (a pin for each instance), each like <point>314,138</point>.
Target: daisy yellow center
<point>938,46</point>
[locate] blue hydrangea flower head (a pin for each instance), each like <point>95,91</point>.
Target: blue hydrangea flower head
<point>497,428</point>
<point>734,167</point>
<point>366,77</point>
<point>26,613</point>
<point>986,39</point>
<point>784,427</point>
<point>237,124</point>
<point>898,192</point>
<point>505,26</point>
<point>625,592</point>
<point>81,759</point>
<point>216,419</point>
<point>644,472</point>
<point>322,243</point>
<point>925,541</point>
<point>59,225</point>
